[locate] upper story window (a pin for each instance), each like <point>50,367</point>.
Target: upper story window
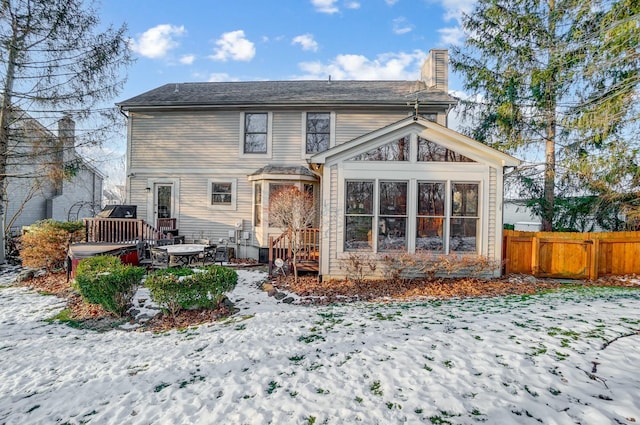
<point>318,132</point>
<point>256,132</point>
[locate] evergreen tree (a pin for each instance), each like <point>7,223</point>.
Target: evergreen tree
<point>537,91</point>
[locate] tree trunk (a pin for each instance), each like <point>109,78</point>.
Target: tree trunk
<point>5,122</point>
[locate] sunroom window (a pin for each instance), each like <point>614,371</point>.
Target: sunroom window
<point>431,216</point>
<point>464,217</point>
<point>359,215</point>
<point>392,218</point>
<point>378,211</point>
<point>397,150</point>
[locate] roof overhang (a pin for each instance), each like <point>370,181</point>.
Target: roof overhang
<point>428,129</point>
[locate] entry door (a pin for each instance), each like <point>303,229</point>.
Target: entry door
<point>163,202</point>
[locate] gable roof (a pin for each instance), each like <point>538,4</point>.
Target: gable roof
<point>288,93</point>
<point>437,133</point>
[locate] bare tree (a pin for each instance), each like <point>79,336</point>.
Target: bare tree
<point>294,211</point>
<point>55,62</point>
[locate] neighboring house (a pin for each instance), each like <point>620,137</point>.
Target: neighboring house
<point>386,172</point>
<point>46,177</point>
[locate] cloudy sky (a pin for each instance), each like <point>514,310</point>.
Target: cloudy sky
<point>223,40</point>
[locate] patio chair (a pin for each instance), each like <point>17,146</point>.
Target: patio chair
<point>209,254</point>
<point>159,259</point>
<point>178,240</point>
<point>164,242</point>
<point>143,258</point>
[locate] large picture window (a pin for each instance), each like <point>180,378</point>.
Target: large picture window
<point>255,132</point>
<point>318,132</point>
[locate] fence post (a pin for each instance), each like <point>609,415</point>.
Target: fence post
<point>593,259</point>
<point>535,256</point>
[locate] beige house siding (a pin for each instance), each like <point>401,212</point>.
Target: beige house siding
<point>493,193</point>
<point>350,125</point>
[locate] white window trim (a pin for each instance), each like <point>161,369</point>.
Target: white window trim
<point>303,139</point>
<point>234,193</point>
<point>447,178</point>
<point>241,152</point>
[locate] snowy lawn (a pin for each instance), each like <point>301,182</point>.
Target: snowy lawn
<point>510,360</point>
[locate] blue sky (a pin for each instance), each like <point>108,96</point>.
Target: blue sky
<point>224,40</point>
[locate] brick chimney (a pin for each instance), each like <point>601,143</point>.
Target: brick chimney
<point>67,138</point>
<point>435,70</point>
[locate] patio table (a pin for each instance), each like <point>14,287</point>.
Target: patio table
<point>184,254</point>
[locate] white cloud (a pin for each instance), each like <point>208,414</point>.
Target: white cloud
<point>391,2</point>
<point>220,77</point>
<point>451,36</point>
<point>187,59</point>
<point>306,41</point>
<point>352,5</point>
<point>455,8</point>
<point>387,66</point>
<point>157,41</point>
<point>233,45</point>
<point>401,26</point>
<point>325,6</point>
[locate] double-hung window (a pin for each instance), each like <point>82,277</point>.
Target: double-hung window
<point>318,129</point>
<point>222,193</point>
<point>256,132</point>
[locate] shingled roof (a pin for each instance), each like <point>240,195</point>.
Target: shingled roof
<point>287,93</point>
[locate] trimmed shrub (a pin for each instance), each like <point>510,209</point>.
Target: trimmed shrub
<point>44,245</point>
<point>104,280</point>
<point>178,289</point>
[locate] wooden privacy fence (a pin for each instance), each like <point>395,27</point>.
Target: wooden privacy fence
<point>571,255</point>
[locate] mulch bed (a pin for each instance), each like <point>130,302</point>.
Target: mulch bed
<point>310,291</point>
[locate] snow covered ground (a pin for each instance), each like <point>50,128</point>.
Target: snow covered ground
<point>510,360</point>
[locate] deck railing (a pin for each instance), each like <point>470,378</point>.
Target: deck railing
<point>308,248</point>
<point>119,230</point>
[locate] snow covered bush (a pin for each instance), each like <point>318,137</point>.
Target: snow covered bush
<point>178,289</point>
<point>106,281</point>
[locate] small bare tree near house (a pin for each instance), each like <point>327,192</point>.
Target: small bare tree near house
<point>293,211</point>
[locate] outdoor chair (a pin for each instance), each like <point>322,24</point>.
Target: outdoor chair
<point>144,259</point>
<point>209,254</point>
<point>159,258</point>
<point>164,242</point>
<point>178,240</point>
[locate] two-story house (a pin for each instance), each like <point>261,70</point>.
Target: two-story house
<point>387,173</point>
<point>46,176</point>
